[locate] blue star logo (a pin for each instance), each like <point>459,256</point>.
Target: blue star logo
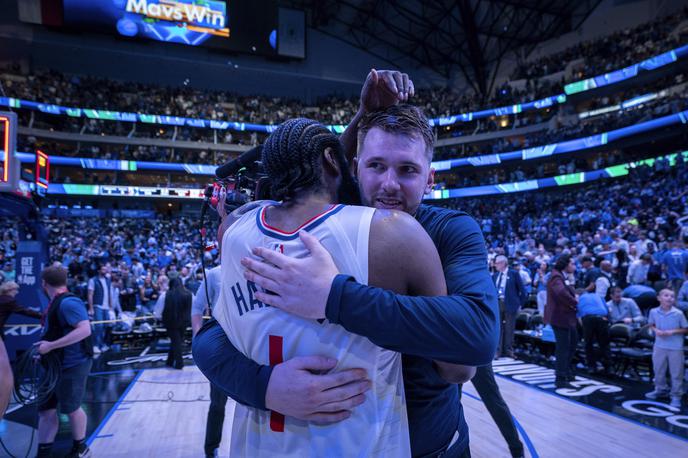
<point>177,32</point>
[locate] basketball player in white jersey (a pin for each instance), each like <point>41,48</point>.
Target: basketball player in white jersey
<point>384,248</point>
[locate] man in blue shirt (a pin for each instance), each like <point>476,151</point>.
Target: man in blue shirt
<point>460,328</point>
<point>66,336</point>
<point>592,311</point>
<point>675,264</point>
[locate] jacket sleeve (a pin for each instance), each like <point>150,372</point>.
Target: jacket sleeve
<point>460,328</point>
<point>16,308</point>
<point>239,377</point>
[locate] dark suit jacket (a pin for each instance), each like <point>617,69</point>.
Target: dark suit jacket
<point>515,295</point>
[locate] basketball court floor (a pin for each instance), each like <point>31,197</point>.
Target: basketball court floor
<point>137,408</point>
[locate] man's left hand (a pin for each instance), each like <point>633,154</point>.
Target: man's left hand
<point>298,286</point>
<point>44,347</point>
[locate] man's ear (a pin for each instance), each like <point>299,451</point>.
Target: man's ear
<point>353,165</point>
<point>431,181</point>
<point>330,162</point>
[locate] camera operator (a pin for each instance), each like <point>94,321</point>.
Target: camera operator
<point>66,336</point>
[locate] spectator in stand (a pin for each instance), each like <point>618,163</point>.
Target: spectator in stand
<point>682,298</point>
<point>7,273</point>
<point>560,313</point>
<point>593,312</point>
<point>669,325</point>
<point>589,274</point>
<point>148,294</point>
<point>637,272</point>
<point>675,264</point>
<point>525,277</point>
<point>624,309</point>
<point>99,306</point>
<point>540,285</point>
<point>621,264</point>
<point>605,280</point>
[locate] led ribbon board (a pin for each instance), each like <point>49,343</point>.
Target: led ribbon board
<point>505,188</point>
<point>614,171</point>
<point>569,146</point>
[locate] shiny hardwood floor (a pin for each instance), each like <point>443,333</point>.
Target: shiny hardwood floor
<point>171,423</point>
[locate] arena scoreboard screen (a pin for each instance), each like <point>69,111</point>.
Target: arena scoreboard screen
<point>233,25</point>
<point>9,166</point>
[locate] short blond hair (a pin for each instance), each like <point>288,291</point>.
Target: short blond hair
<point>8,286</point>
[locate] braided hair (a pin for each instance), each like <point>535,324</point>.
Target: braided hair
<point>292,158</point>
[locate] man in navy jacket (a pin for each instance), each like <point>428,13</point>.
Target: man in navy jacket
<point>511,296</point>
<point>460,328</point>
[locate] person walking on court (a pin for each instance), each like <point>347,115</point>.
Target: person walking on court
<point>175,317</point>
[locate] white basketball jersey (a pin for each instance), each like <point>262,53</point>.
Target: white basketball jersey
<point>267,335</point>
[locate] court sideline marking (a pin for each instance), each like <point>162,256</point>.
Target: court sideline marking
<point>113,409</point>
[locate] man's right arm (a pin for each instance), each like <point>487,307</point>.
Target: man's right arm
<point>381,89</point>
<point>91,287</point>
<point>20,309</point>
<point>198,306</point>
<point>637,314</point>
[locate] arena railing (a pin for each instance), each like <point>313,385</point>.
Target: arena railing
<point>606,79</point>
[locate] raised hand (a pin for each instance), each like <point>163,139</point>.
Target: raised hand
<point>384,88</point>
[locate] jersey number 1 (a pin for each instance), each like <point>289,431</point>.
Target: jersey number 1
<point>276,357</point>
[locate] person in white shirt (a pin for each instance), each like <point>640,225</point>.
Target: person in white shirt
<point>604,281</point>
<point>637,272</point>
<point>99,305</point>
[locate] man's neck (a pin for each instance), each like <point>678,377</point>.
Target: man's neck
<point>665,308</point>
<point>293,213</point>
<point>58,291</point>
